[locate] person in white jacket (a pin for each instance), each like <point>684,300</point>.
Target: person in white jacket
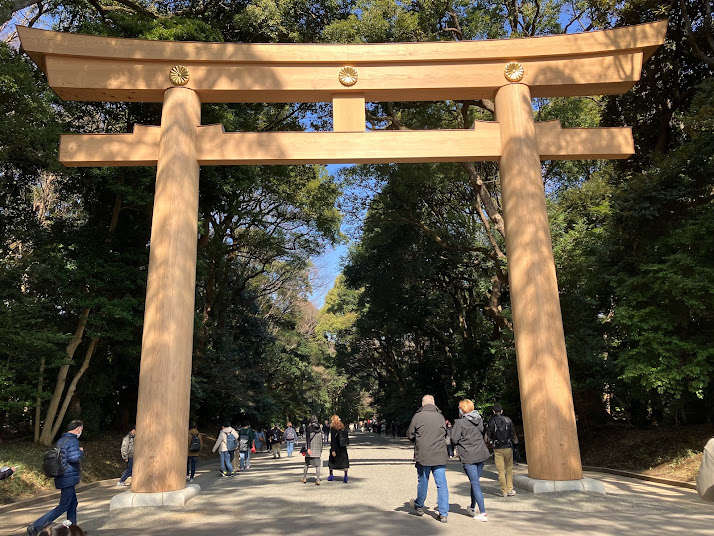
<point>226,444</point>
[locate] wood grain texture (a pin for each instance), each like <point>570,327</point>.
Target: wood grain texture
<point>348,113</point>
<point>167,343</point>
<point>216,147</point>
<point>81,67</point>
<point>544,378</point>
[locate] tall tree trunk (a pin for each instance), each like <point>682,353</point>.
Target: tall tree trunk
<point>47,436</point>
<point>73,386</point>
<point>38,407</point>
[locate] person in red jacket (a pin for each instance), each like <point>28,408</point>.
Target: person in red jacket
<point>71,454</point>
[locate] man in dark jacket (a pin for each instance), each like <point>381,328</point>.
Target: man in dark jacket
<point>503,436</point>
<point>428,433</point>
<point>71,454</point>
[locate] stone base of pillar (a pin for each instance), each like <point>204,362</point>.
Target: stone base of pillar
<point>551,486</point>
<point>129,499</point>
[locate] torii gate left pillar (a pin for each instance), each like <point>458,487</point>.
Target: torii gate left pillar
<point>167,341</point>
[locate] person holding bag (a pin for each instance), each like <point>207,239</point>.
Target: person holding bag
<point>313,444</point>
<point>338,448</point>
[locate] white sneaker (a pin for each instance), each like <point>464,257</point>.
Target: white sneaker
<point>511,493</point>
<point>471,511</point>
<point>121,484</point>
<point>481,517</point>
<point>188,479</point>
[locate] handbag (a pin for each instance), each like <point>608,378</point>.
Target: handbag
<point>344,439</point>
<point>252,449</point>
<point>303,451</point>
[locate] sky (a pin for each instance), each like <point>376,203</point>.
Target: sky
<point>328,265</point>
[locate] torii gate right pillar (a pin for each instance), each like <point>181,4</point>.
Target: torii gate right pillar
<point>546,396</point>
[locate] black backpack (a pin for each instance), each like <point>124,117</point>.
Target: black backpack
<point>53,465</point>
<point>195,445</point>
<point>501,432</point>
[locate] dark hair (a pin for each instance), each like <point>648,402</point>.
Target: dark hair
<point>74,424</point>
<point>226,424</point>
<point>246,422</point>
<point>132,427</point>
<point>193,424</point>
<point>58,529</point>
<point>497,408</point>
<point>313,420</point>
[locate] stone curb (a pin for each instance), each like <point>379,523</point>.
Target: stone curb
<point>639,476</point>
<point>49,496</point>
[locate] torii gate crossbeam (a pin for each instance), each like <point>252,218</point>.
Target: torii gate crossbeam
<point>183,75</point>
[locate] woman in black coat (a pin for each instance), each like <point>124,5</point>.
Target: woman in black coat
<point>338,448</point>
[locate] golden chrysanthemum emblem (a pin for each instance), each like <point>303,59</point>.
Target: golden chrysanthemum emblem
<point>348,76</point>
<point>513,71</point>
<point>179,75</point>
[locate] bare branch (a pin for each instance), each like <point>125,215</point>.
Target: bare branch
<point>690,35</point>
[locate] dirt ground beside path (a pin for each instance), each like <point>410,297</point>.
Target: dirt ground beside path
<point>270,499</point>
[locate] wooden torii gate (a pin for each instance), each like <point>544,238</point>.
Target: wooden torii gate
<point>183,75</point>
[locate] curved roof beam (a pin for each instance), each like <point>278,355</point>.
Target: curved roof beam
<point>93,68</point>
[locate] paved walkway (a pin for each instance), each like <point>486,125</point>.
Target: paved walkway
<point>270,499</point>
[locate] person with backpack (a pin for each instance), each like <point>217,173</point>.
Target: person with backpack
<point>339,439</point>
<point>290,436</point>
<point>275,437</point>
<point>195,444</point>
<point>127,454</point>
<point>246,437</point>
<point>503,436</point>
<point>467,436</point>
<point>226,444</point>
<point>63,463</point>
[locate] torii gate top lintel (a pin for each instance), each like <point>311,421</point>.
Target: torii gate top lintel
<point>94,68</point>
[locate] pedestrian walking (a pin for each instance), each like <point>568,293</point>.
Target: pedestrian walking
<point>127,454</point>
<point>290,436</point>
<point>71,453</point>
<point>195,444</point>
<point>449,443</point>
<point>275,436</point>
<point>246,438</point>
<point>339,439</point>
<point>503,436</point>
<point>226,444</point>
<point>313,449</point>
<point>467,436</point>
<point>259,440</point>
<point>325,432</point>
<point>427,431</point>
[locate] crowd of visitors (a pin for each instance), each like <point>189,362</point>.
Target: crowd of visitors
<point>435,441</point>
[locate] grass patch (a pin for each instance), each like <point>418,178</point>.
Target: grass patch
<point>666,451</point>
<point>102,460</point>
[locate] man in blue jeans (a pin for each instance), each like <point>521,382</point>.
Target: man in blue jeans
<point>71,454</point>
<point>428,433</point>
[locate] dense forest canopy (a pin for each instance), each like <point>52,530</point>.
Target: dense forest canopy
<point>423,302</point>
